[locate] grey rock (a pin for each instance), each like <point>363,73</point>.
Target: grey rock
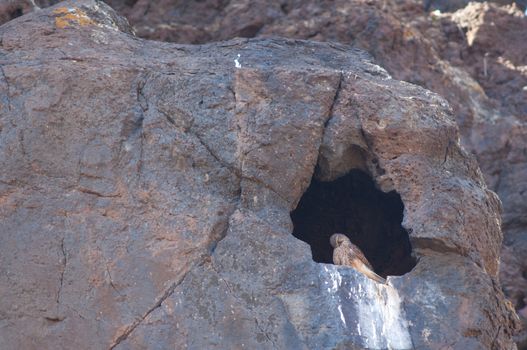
<point>146,193</point>
<point>453,5</point>
<point>474,57</point>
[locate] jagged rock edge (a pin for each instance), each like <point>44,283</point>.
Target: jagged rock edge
<point>64,264</point>
<point>4,78</point>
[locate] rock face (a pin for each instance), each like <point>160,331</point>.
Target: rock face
<point>474,57</point>
<point>453,5</point>
<point>146,193</point>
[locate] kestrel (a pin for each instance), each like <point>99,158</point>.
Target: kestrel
<point>348,254</point>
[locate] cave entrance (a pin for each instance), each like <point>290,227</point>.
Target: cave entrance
<point>369,217</point>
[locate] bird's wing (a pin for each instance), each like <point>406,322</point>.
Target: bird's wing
<point>357,253</point>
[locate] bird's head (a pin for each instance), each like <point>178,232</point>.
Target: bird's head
<point>337,239</point>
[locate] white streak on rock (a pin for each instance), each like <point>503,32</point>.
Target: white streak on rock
<point>374,308</point>
<point>341,314</point>
<point>380,316</point>
<point>237,63</point>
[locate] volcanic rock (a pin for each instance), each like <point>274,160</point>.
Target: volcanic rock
<point>146,193</point>
<point>474,57</point>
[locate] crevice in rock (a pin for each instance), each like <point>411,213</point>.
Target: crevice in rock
<point>141,154</point>
<point>231,89</point>
<point>365,138</point>
<point>224,164</point>
<point>269,339</point>
<point>140,96</point>
<point>8,88</point>
<point>334,102</point>
<point>91,176</point>
<point>170,290</point>
<point>111,281</point>
<point>228,287</point>
<point>372,159</point>
<point>22,144</point>
<point>352,205</point>
<point>217,238</point>
<point>144,105</point>
<point>168,117</point>
<point>64,262</point>
<point>139,124</point>
<point>447,151</point>
<point>98,194</point>
<point>209,150</point>
<point>167,293</point>
<point>55,319</point>
<point>71,58</point>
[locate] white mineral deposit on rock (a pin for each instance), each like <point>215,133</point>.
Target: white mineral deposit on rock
<point>341,315</point>
<point>381,322</point>
<point>381,317</point>
<point>237,63</point>
<point>395,325</point>
<point>336,279</point>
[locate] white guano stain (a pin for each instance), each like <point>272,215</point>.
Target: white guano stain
<point>381,321</point>
<point>341,314</point>
<point>237,62</point>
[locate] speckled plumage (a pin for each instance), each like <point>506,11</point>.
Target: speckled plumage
<point>348,254</point>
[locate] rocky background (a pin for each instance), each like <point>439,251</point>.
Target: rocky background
<point>474,57</point>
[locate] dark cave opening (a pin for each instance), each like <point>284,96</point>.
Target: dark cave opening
<point>17,12</point>
<point>371,219</point>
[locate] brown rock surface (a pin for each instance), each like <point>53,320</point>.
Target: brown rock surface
<point>146,193</point>
<point>474,57</point>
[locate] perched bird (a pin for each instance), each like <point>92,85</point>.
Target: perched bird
<point>348,254</point>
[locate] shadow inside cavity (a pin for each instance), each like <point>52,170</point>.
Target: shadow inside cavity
<point>369,217</point>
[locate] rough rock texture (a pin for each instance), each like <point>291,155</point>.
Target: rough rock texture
<point>514,279</point>
<point>146,191</point>
<point>10,9</point>
<point>453,5</point>
<point>474,57</point>
<point>493,53</point>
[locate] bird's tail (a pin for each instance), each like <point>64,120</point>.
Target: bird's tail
<point>372,275</point>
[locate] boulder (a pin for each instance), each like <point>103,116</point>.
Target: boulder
<point>147,187</point>
<point>473,57</point>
